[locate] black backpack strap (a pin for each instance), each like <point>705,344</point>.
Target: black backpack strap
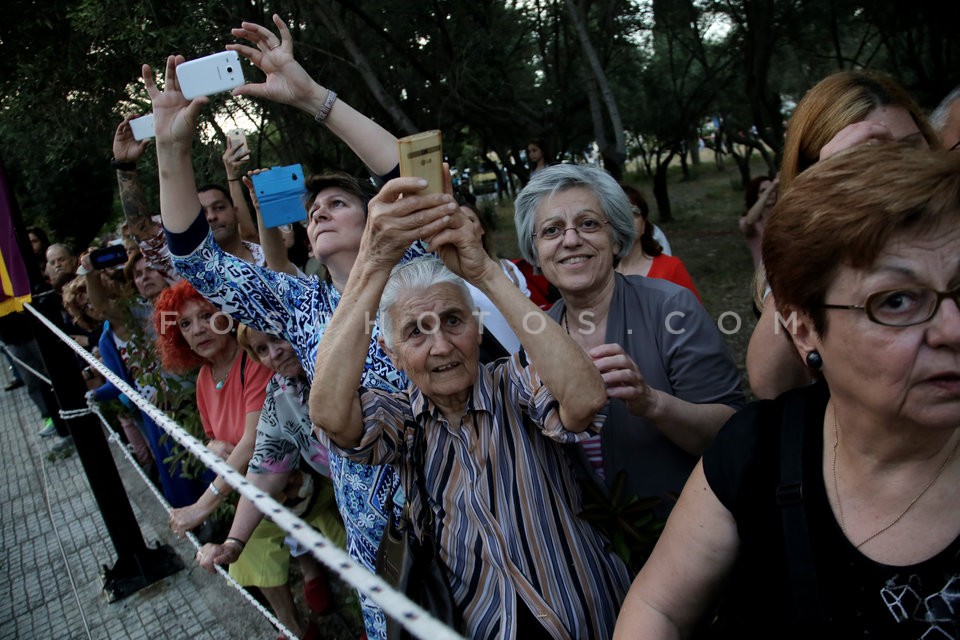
<point>243,368</point>
<point>796,534</point>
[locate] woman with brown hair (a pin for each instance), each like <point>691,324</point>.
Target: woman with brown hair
<point>843,110</point>
<point>832,511</point>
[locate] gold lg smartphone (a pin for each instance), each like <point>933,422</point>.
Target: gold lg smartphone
<point>421,156</point>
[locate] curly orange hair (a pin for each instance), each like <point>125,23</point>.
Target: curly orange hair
<point>175,354</point>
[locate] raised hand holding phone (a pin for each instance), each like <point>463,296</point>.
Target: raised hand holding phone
<point>210,74</point>
<point>421,156</point>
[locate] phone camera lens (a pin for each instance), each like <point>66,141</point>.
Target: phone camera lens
<point>229,69</point>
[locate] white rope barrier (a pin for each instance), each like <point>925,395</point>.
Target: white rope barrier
<point>39,375</point>
<point>395,604</point>
<point>114,437</point>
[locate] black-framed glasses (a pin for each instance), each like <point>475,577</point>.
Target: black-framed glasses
<point>583,226</point>
<point>901,307</point>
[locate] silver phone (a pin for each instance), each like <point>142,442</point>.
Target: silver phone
<point>210,74</point>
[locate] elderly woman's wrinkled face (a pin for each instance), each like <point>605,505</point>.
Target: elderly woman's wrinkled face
<point>898,373</point>
<point>580,258</point>
<point>436,340</point>
<point>275,353</point>
<point>206,332</point>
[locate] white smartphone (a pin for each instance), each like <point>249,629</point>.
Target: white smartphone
<point>421,156</point>
<point>237,137</point>
<point>142,127</point>
<point>210,74</point>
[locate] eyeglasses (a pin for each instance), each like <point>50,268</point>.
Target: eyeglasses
<point>583,226</point>
<point>901,307</point>
<point>956,145</point>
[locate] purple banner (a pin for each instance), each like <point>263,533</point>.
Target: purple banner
<point>14,282</point>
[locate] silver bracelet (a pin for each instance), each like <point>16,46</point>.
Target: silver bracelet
<point>326,106</point>
<point>215,491</point>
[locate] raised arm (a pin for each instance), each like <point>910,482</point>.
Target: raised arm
<point>126,153</point>
<point>271,240</point>
<point>288,83</point>
<point>233,161</point>
<point>393,223</point>
<point>175,124</point>
<point>562,365</point>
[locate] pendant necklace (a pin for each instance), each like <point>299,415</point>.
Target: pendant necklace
<point>884,528</point>
<point>219,383</point>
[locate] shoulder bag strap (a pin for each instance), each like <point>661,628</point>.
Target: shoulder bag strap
<point>796,534</point>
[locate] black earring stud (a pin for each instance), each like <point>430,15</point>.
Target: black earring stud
<point>814,360</point>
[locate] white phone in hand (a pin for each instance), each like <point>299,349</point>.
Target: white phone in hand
<point>237,137</point>
<point>142,127</point>
<point>210,74</point>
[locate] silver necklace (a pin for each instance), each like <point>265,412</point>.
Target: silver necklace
<point>884,528</point>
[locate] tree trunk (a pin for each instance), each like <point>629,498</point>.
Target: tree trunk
<point>660,189</point>
<point>613,158</point>
<point>400,119</point>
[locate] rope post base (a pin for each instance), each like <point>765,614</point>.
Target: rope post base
<point>133,572</point>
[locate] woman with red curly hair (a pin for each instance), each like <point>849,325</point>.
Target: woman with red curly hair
<point>231,388</point>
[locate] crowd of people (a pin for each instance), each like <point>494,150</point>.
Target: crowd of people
<point>380,358</point>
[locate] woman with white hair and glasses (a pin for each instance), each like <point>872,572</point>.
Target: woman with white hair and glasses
<point>668,372</point>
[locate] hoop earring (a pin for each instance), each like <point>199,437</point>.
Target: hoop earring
<point>814,360</point>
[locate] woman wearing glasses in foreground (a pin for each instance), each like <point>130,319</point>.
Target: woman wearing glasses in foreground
<point>865,250</point>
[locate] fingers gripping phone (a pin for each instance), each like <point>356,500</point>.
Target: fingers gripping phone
<point>142,127</point>
<point>237,137</point>
<point>210,74</point>
<point>421,156</point>
<point>107,257</point>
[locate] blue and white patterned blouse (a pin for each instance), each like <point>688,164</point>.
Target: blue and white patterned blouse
<point>298,309</point>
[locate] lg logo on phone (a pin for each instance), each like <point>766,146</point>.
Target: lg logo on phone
<point>426,161</point>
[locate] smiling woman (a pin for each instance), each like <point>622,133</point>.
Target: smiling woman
<point>670,387</point>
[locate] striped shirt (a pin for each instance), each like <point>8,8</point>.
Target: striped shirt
<point>505,503</point>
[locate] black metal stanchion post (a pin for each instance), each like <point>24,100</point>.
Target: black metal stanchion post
<point>137,565</point>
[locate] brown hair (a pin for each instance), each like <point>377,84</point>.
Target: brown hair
<point>844,211</point>
<point>318,182</point>
<point>243,339</point>
<point>833,103</point>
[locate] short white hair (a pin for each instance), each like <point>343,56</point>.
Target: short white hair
<point>416,275</point>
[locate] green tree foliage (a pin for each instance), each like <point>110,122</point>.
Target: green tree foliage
<point>492,74</point>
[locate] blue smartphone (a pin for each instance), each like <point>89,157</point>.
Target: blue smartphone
<point>280,193</point>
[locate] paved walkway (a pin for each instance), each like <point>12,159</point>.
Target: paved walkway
<point>54,544</point>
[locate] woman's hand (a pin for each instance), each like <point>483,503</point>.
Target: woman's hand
<point>126,148</point>
<point>174,117</point>
<point>852,135</point>
<point>623,379</point>
<point>398,217</point>
<point>234,158</point>
<point>460,246</point>
<point>187,518</point>
<point>287,82</point>
<point>210,555</point>
<point>221,448</point>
